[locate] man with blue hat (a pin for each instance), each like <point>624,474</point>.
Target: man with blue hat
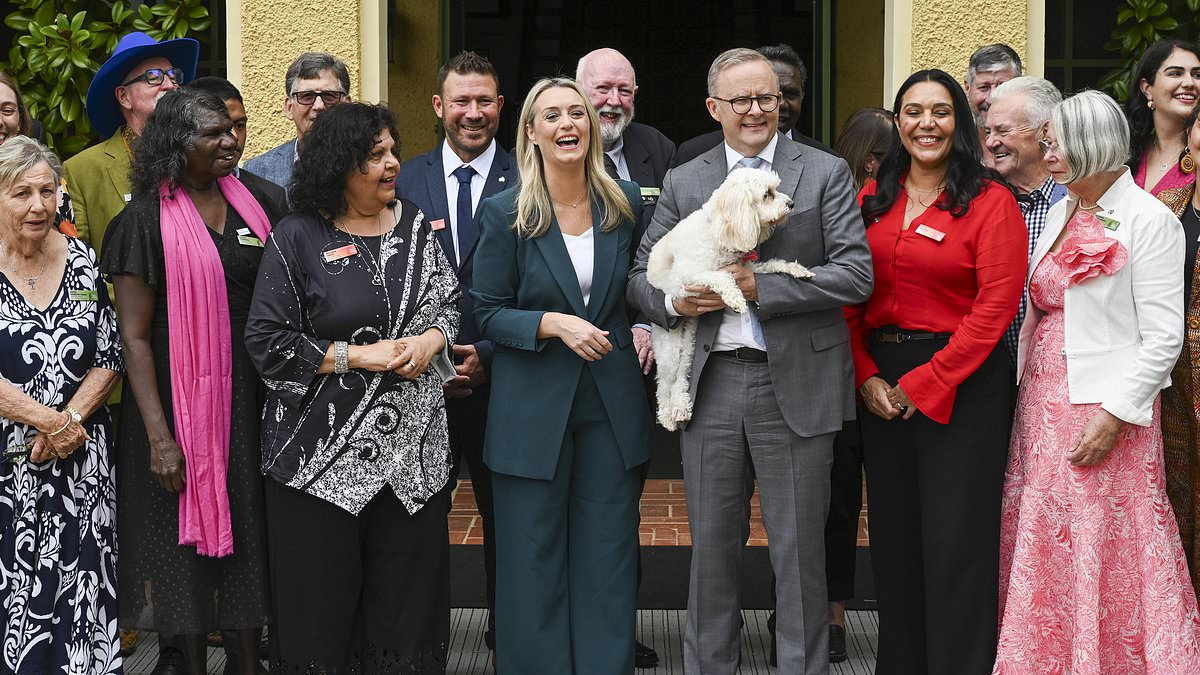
<point>120,99</point>
<point>122,95</point>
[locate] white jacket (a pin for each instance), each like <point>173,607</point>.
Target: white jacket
<point>1124,331</point>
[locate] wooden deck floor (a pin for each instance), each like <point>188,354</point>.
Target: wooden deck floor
<point>659,628</point>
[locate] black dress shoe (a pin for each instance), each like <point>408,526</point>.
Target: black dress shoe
<point>170,662</point>
<point>837,644</point>
<point>643,656</point>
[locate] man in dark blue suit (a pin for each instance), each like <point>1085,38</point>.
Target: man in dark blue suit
<point>448,183</point>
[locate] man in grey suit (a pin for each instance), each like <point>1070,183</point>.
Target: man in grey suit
<point>315,81</point>
<point>771,386</point>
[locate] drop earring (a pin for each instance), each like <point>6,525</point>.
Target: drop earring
<point>1186,163</point>
<point>1150,103</point>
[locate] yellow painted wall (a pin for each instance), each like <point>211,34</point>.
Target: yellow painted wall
<point>412,74</point>
<point>946,32</point>
<point>266,35</point>
<point>858,67</point>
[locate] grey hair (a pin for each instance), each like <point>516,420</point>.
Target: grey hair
<point>991,58</point>
<point>728,59</point>
<point>310,66</point>
<point>1040,97</point>
<point>1092,134</point>
<point>584,59</point>
<point>19,154</point>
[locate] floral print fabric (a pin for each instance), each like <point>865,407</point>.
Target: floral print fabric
<point>57,542</point>
<point>1093,577</point>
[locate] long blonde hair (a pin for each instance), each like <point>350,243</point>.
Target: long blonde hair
<point>534,209</point>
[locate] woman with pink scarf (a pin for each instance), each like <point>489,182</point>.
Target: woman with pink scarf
<point>183,258</point>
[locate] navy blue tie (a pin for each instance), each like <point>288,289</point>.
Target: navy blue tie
<point>466,220</point>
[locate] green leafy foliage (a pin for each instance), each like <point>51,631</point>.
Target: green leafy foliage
<point>60,45</point>
<point>1141,23</point>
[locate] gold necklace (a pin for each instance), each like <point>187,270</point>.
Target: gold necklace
<point>934,191</point>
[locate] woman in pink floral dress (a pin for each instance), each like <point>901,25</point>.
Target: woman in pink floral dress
<point>1093,576</point>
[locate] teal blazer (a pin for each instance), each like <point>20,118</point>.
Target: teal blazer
<point>518,280</point>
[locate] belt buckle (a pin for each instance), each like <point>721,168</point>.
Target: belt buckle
<point>891,338</point>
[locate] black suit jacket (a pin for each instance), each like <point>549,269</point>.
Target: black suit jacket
<point>422,180</point>
<point>693,148</point>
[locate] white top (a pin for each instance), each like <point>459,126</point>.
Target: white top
<point>582,249</point>
<point>483,166</point>
<point>1123,331</point>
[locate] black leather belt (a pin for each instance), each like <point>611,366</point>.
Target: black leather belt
<point>894,336</point>
<point>749,354</point>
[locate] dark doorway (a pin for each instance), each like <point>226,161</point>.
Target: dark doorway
<point>670,45</point>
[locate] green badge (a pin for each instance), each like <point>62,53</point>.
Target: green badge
<point>250,241</point>
<point>1107,222</point>
<point>651,191</point>
<point>83,295</point>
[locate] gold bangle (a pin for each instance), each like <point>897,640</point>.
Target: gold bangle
<point>63,427</point>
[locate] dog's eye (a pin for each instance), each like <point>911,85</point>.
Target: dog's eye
<point>767,196</point>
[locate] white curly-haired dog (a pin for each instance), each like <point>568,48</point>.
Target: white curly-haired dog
<point>738,217</point>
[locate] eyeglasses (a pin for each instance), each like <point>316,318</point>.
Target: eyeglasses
<point>1048,146</point>
<point>154,77</point>
<point>741,104</point>
<point>309,97</point>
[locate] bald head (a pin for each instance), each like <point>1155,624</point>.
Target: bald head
<point>608,78</point>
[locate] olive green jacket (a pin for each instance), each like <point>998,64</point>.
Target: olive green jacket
<point>98,182</point>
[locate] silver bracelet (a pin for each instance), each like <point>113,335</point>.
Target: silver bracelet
<point>341,357</point>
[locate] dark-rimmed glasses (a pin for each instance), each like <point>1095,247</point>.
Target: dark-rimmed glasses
<point>154,77</point>
<point>309,97</point>
<point>741,104</point>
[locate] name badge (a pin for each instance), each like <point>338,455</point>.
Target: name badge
<point>650,194</point>
<point>927,231</point>
<point>339,253</point>
<point>1109,223</point>
<point>80,295</point>
<point>249,240</point>
<point>439,224</point>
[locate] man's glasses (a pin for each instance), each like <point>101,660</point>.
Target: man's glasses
<point>309,97</point>
<point>155,76</point>
<point>741,104</point>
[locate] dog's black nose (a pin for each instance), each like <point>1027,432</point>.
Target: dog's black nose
<point>791,204</point>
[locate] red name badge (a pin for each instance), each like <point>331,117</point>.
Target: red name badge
<point>339,253</point>
<point>439,224</point>
<point>927,231</point>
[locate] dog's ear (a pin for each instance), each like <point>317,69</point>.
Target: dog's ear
<point>737,214</point>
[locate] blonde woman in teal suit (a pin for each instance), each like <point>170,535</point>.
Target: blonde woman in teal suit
<point>568,424</point>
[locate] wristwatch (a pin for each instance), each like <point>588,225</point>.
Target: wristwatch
<point>76,416</point>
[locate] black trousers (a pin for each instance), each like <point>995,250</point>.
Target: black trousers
<point>365,594</point>
<point>466,419</point>
<point>845,505</point>
<point>935,492</point>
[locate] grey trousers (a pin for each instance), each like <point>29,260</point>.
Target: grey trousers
<point>737,422</point>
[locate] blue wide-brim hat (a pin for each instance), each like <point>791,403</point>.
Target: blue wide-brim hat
<point>103,111</point>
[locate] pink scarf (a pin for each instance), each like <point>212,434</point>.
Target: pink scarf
<point>201,359</point>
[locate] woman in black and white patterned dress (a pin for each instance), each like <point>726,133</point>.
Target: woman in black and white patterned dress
<point>354,300</point>
<point>60,356</point>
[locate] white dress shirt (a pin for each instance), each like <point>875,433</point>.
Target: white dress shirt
<point>617,154</point>
<point>483,166</point>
